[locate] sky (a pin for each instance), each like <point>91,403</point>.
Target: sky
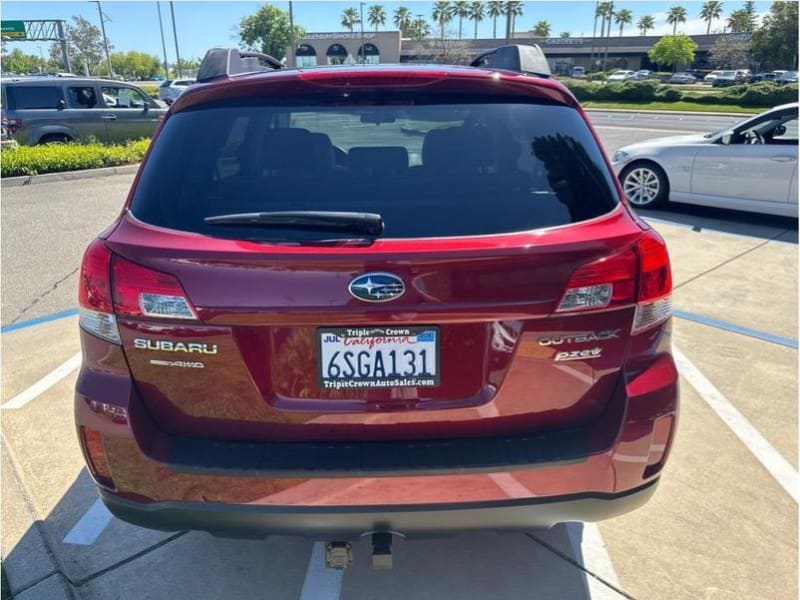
<point>202,25</point>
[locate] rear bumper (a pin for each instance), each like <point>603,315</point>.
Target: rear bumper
<point>350,522</point>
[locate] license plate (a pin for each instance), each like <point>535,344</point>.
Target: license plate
<point>378,357</point>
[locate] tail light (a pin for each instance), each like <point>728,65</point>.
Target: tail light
<point>96,458</point>
<point>640,274</point>
<point>14,125</point>
<point>143,292</point>
<point>94,293</point>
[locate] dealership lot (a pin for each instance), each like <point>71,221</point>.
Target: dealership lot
<point>723,523</point>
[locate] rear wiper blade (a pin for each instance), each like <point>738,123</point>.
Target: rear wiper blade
<point>316,220</point>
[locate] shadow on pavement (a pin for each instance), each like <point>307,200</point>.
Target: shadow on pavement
<point>129,562</point>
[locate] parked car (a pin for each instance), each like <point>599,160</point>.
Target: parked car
<point>46,110</point>
<point>621,76</point>
<point>300,324</point>
<point>577,72</point>
<point>170,89</point>
<point>751,167</point>
<point>643,74</point>
<point>683,78</point>
<point>787,77</point>
<point>711,76</point>
<point>728,78</point>
<point>759,77</point>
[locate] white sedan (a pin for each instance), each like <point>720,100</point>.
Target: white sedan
<point>751,166</point>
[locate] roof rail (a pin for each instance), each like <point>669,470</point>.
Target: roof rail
<point>518,57</point>
<point>228,62</point>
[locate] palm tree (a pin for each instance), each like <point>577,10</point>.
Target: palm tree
<point>350,18</point>
<point>711,10</point>
<point>622,18</point>
<point>402,19</point>
<point>542,29</point>
<point>376,16</point>
<point>739,21</point>
<point>476,14</point>
<point>443,13</point>
<point>604,11</point>
<point>420,28</point>
<point>564,34</point>
<point>513,10</point>
<point>645,24</point>
<point>676,14</point>
<point>462,11</point>
<point>496,9</point>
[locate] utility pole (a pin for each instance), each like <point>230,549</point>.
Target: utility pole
<point>63,41</point>
<point>163,43</point>
<point>292,58</point>
<point>175,34</point>
<point>105,39</point>
<point>361,49</point>
<point>419,27</point>
<point>608,35</point>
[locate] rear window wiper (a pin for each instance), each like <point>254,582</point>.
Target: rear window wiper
<point>314,220</point>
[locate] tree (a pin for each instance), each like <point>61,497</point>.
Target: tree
<point>496,9</point>
<point>711,10</point>
<point>565,34</point>
<point>775,41</point>
<point>476,14</point>
<point>461,11</point>
<point>645,24</point>
<point>419,29</point>
<point>673,50</point>
<point>376,16</point>
<point>727,53</point>
<point>738,21</point>
<point>512,11</point>
<point>443,13</point>
<point>140,65</point>
<point>18,62</point>
<point>542,29</point>
<point>402,20</point>
<point>84,44</point>
<point>350,18</point>
<point>605,11</point>
<point>676,14</point>
<point>750,10</point>
<point>267,31</point>
<point>622,18</point>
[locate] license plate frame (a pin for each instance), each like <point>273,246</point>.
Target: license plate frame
<point>430,378</point>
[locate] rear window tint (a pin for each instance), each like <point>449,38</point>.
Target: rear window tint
<point>429,170</point>
<point>36,97</point>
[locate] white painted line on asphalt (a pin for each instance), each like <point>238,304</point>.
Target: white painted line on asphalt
<point>90,525</point>
<point>44,384</point>
<point>766,454</point>
<point>590,549</point>
<point>321,583</point>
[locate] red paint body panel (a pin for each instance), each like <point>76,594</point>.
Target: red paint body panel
<point>494,299</point>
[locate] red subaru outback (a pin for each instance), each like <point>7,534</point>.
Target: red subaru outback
<point>375,299</point>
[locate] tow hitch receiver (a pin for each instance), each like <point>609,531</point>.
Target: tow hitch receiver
<point>382,551</point>
<point>338,555</point>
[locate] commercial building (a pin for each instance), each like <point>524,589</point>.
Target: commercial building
<point>629,52</point>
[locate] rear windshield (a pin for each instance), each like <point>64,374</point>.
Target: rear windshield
<point>429,171</point>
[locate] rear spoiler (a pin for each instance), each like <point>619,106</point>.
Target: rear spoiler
<point>521,58</point>
<point>220,63</point>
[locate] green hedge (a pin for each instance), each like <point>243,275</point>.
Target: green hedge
<point>150,90</point>
<point>50,158</point>
<point>755,95</point>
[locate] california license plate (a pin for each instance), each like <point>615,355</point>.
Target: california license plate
<point>378,357</point>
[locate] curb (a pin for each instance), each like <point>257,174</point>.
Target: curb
<point>69,175</point>
<point>672,112</point>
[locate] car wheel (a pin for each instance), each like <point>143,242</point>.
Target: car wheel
<point>645,185</point>
<point>55,138</point>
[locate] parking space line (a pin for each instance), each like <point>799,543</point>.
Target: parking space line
<point>39,320</point>
<point>321,583</point>
<point>734,328</point>
<point>90,525</point>
<point>45,383</point>
<point>588,543</point>
<point>778,467</point>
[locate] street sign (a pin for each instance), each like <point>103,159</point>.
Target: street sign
<point>13,30</point>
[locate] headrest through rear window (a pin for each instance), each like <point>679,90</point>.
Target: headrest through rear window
<point>457,149</point>
<point>296,151</point>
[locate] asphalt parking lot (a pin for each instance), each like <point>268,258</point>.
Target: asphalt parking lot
<point>723,523</point>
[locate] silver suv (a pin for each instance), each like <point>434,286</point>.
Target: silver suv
<point>47,110</point>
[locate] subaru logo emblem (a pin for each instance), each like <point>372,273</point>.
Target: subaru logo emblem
<point>377,287</point>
